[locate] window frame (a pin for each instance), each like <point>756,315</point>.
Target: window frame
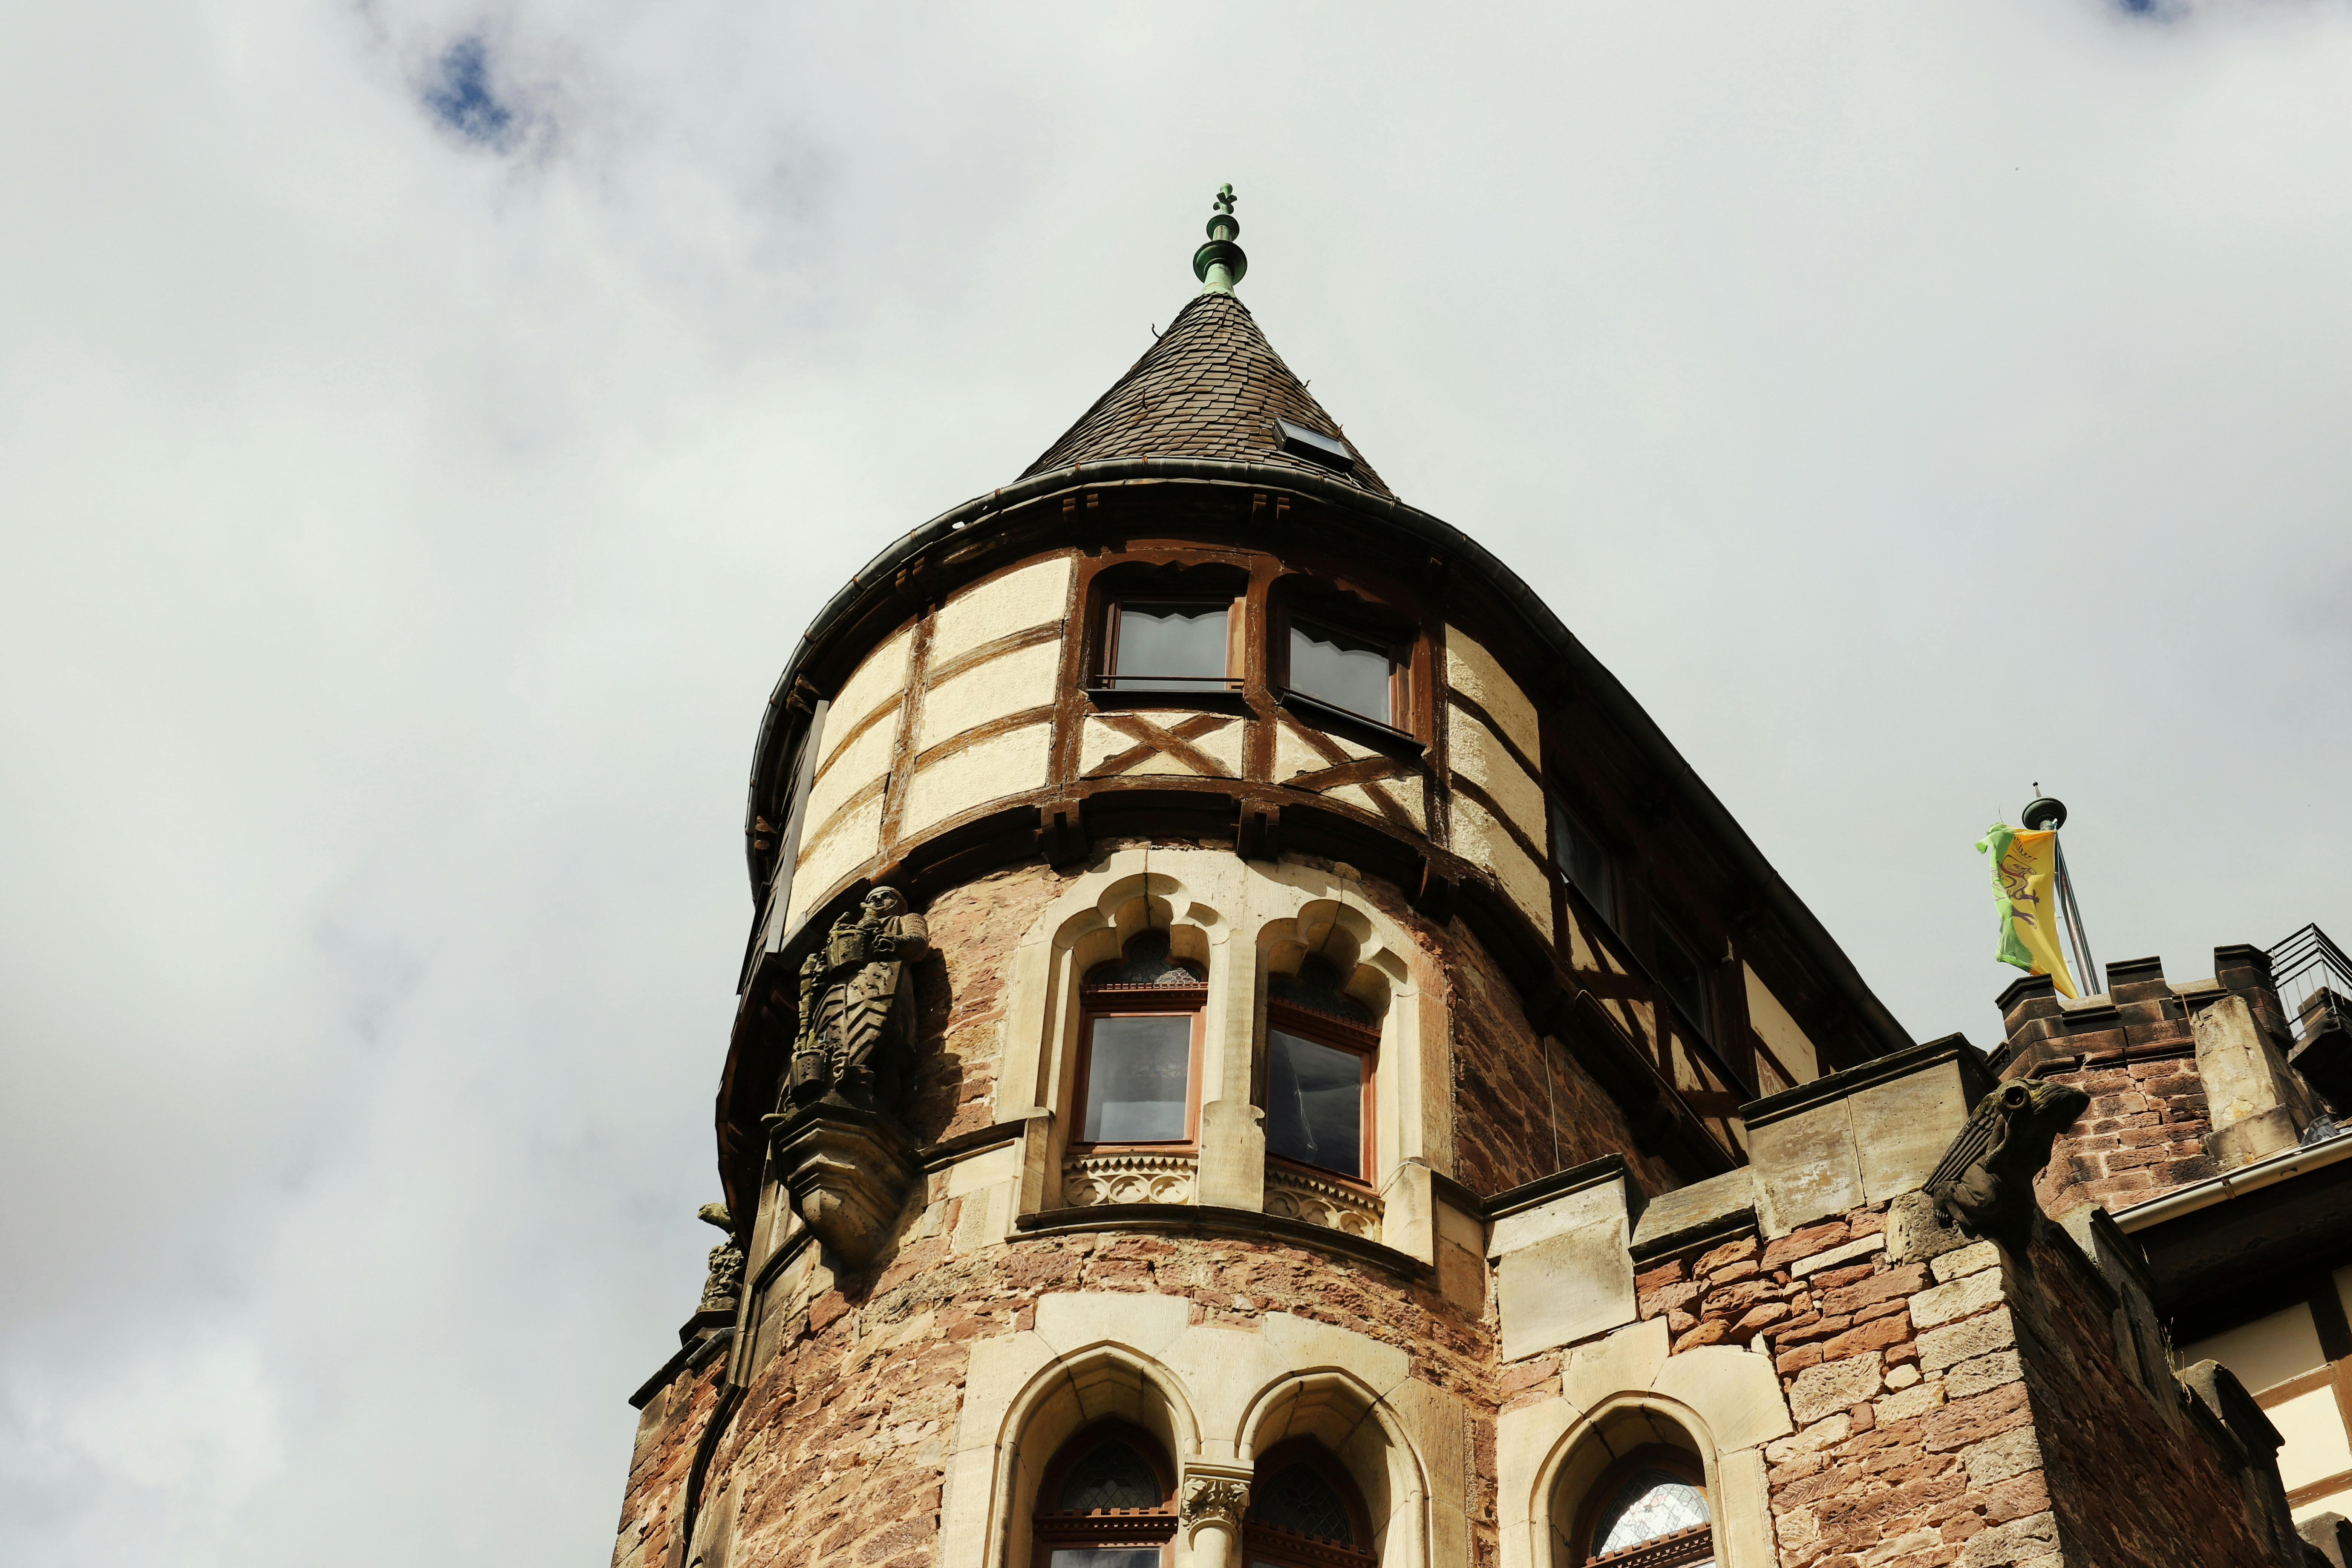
<point>1139,1000</point>
<point>1607,902</point>
<point>1050,1529</point>
<point>1270,1544</point>
<point>1666,934</point>
<point>1106,679</point>
<point>1361,1040</point>
<point>1685,1466</point>
<point>1398,721</point>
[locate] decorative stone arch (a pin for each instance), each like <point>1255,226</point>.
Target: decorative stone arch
<point>1726,1402</point>
<point>1204,899</point>
<point>1374,959</point>
<point>1364,1436</point>
<point>1102,1382</point>
<point>1091,923</point>
<point>1617,1429</point>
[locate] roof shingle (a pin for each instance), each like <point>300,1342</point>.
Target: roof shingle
<point>1211,387</point>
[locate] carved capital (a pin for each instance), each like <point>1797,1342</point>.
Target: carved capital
<point>1213,1499</point>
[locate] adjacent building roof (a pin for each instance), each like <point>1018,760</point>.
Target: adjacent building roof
<point>1211,387</point>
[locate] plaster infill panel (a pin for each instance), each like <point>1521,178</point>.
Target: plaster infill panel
<point>856,765</point>
<point>877,680</point>
<point>1473,672</point>
<point>1102,739</point>
<point>1028,596</point>
<point>1782,1036</point>
<point>1475,754</point>
<point>853,840</point>
<point>1481,840</point>
<point>1004,685</point>
<point>985,770</point>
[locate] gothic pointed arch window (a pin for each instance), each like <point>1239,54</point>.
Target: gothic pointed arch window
<point>1304,1513</point>
<point>1140,1034</point>
<point>1648,1509</point>
<point>1322,1046</point>
<point>1107,1501</point>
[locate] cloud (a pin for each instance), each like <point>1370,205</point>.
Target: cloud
<point>406,526</point>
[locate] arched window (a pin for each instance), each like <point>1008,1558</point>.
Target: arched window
<point>1321,1050</point>
<point>1304,1513</point>
<point>1138,1067</point>
<point>1108,1502</point>
<point>1649,1509</point>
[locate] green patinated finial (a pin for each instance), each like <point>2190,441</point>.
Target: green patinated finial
<point>1220,264</point>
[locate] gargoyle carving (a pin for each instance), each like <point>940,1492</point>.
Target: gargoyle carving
<point>858,1014</point>
<point>1985,1180</point>
<point>725,1282</point>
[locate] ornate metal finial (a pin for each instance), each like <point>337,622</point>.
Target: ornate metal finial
<point>1220,264</point>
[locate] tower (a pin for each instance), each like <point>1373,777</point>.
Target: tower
<point>1239,1002</point>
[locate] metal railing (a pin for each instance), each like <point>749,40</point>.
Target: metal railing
<point>2313,980</point>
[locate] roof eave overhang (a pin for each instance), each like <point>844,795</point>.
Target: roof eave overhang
<point>878,578</point>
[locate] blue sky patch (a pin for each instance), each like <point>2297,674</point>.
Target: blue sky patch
<point>461,98</point>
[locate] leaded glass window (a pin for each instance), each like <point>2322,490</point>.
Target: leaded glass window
<point>1298,1499</point>
<point>1114,1475</point>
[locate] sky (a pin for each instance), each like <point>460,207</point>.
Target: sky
<point>425,427</point>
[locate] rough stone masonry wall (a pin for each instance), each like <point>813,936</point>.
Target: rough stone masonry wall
<point>1517,1116</point>
<point>839,1446</point>
<point>2142,1136</point>
<point>961,990</point>
<point>1917,1440</point>
<point>668,1427</point>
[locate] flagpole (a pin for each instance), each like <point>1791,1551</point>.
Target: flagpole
<point>2044,812</point>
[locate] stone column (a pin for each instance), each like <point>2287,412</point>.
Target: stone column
<point>1215,1498</point>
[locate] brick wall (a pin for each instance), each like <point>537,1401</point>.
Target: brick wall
<point>2134,1051</point>
<point>668,1428</point>
<point>840,1444</point>
<point>1924,1415</point>
<point>961,993</point>
<point>1517,1117</point>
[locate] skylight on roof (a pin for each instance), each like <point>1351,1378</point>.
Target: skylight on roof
<point>1316,446</point>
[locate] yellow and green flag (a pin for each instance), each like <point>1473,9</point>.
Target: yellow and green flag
<point>2025,867</point>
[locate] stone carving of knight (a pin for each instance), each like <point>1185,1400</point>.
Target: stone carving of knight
<point>857,1035</point>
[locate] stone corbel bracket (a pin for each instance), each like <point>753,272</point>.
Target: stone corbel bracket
<point>847,1171</point>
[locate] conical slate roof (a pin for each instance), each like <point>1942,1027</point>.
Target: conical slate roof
<point>1211,387</point>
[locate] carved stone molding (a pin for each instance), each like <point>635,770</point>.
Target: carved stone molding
<point>847,1171</point>
<point>1215,1498</point>
<point>1294,1195</point>
<point>1091,1179</point>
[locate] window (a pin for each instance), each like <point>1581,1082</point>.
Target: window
<point>1653,1498</point>
<point>1358,674</point>
<point>1186,645</point>
<point>1683,977</point>
<point>1320,1048</point>
<point>1139,1048</point>
<point>1304,1513</point>
<point>1108,1502</point>
<point>1582,861</point>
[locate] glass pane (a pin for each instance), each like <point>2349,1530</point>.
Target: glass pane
<point>1346,671</point>
<point>1579,857</point>
<point>1179,644</point>
<point>1106,1557</point>
<point>1297,1498</point>
<point>1651,1504</point>
<point>1678,971</point>
<point>1137,1071</point>
<point>1315,1104</point>
<point>1113,1476</point>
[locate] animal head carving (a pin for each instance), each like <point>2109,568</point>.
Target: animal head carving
<point>1985,1178</point>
